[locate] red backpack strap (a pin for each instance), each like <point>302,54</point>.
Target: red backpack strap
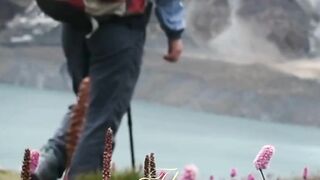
<point>136,6</point>
<point>77,3</point>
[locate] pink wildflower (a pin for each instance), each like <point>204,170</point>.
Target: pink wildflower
<point>264,156</point>
<point>233,172</point>
<point>34,157</point>
<point>162,175</point>
<point>190,172</point>
<point>251,177</point>
<point>305,173</point>
<point>211,177</point>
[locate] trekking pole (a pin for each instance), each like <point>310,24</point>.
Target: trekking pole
<point>133,163</point>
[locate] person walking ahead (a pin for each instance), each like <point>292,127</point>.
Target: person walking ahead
<point>109,50</point>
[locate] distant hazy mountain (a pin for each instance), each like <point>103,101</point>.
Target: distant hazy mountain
<point>8,9</point>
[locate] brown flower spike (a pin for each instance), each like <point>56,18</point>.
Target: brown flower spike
<point>153,172</point>
<point>25,173</point>
<point>147,167</point>
<point>107,156</point>
<point>77,119</point>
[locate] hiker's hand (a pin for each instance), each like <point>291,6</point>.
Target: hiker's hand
<point>175,48</point>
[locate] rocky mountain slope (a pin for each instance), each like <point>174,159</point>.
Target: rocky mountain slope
<point>278,27</point>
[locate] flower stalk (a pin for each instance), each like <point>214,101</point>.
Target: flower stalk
<point>263,158</point>
<point>153,172</point>
<point>77,119</point>
<point>34,160</point>
<point>147,166</point>
<point>25,172</point>
<point>107,155</point>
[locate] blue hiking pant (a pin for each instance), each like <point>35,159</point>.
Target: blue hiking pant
<point>112,59</point>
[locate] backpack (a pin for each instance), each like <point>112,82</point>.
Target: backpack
<point>110,7</point>
<point>76,10</point>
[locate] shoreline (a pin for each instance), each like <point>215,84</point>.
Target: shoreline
<point>261,91</point>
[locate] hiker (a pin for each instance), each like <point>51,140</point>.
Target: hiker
<point>107,46</point>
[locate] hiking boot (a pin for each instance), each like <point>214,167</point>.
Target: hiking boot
<point>49,167</point>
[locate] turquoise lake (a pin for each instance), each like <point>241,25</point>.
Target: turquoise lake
<point>28,117</point>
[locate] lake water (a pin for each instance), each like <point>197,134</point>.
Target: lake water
<point>177,136</point>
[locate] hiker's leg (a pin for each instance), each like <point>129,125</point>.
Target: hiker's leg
<point>76,53</point>
<point>53,155</point>
<point>116,53</point>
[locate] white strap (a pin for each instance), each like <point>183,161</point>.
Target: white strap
<point>95,27</point>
